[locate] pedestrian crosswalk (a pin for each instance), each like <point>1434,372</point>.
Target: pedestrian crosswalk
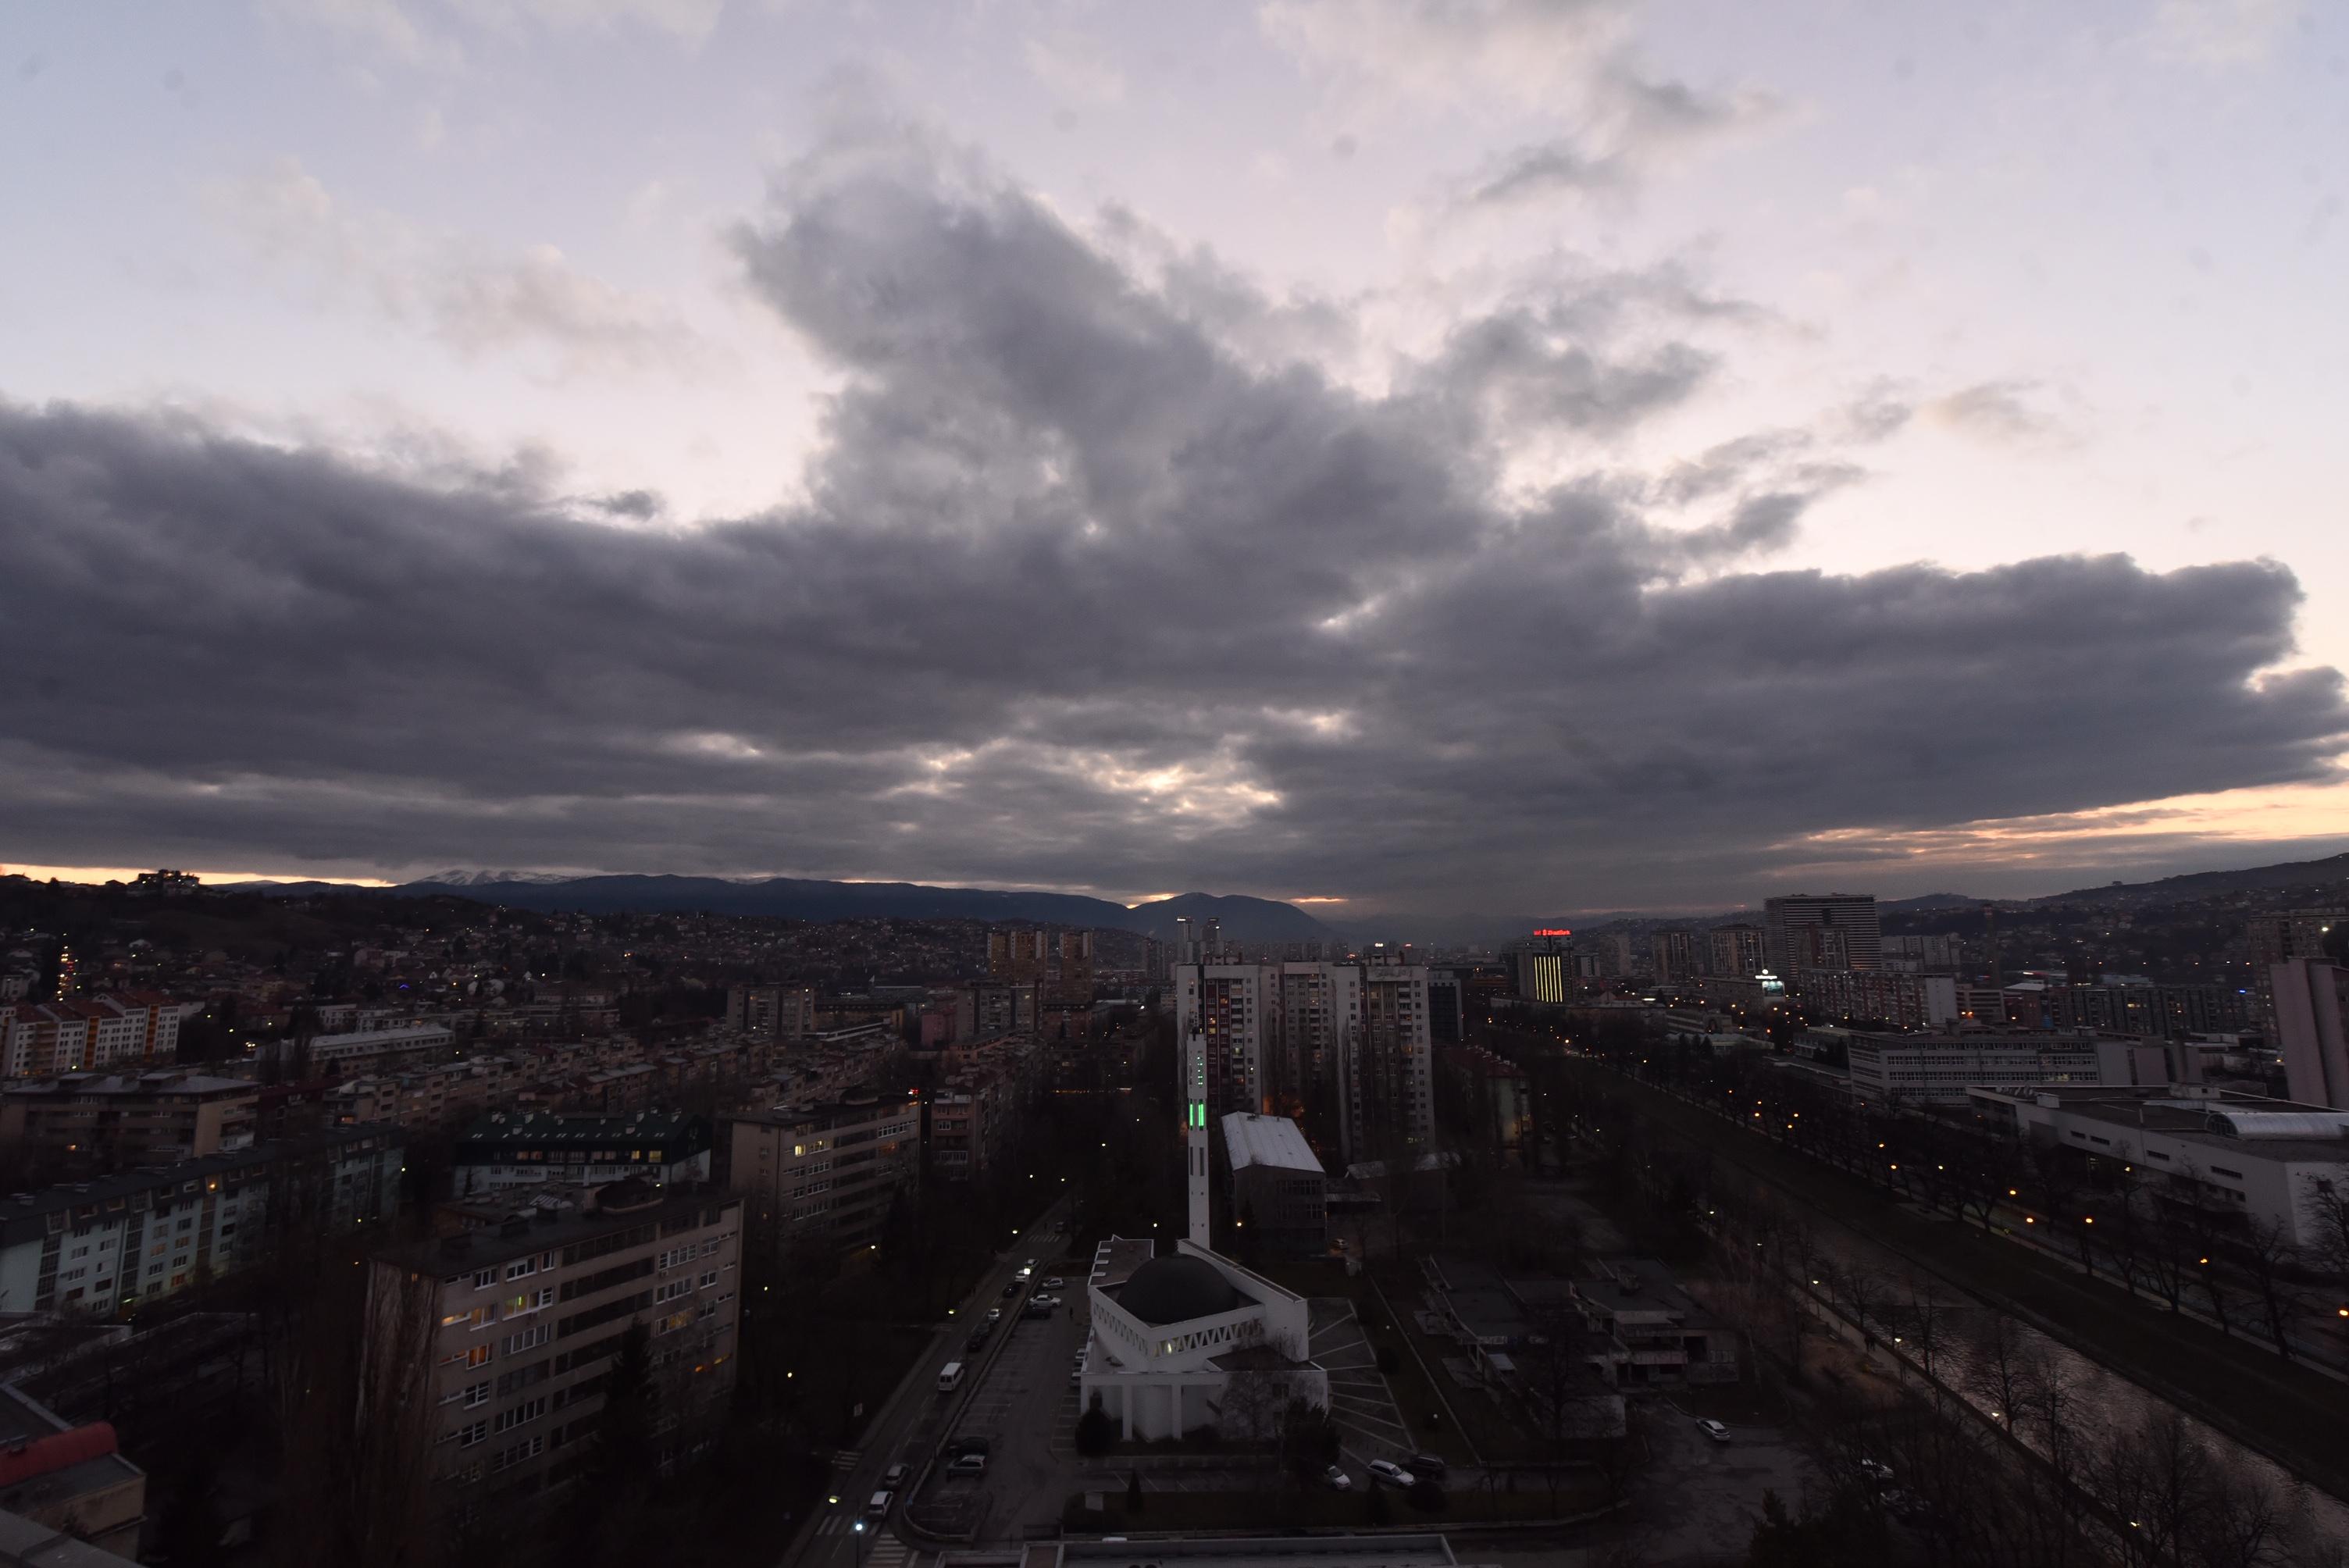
<point>845,1459</point>
<point>879,1548</point>
<point>887,1553</point>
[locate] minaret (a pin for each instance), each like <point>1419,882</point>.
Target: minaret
<point>1194,1132</point>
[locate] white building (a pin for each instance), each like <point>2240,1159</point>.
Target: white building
<point>2312,1010</point>
<point>369,1044</point>
<point>1939,1070</point>
<point>2264,1159</point>
<point>1172,1335</point>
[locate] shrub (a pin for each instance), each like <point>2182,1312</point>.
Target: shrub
<point>1095,1433</point>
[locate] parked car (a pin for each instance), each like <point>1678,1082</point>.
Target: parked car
<point>1426,1466</point>
<point>1881,1474</point>
<point>954,1447</point>
<point>967,1464</point>
<point>877,1507</point>
<point>1391,1474</point>
<point>1337,1479</point>
<point>895,1477</point>
<point>1056,1283</point>
<point>1714,1429</point>
<point>1076,1376</point>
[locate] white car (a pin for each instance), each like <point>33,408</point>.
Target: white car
<point>1391,1474</point>
<point>1337,1479</point>
<point>1714,1429</point>
<point>1056,1283</point>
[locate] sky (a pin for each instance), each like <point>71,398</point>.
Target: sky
<point>1446,455</point>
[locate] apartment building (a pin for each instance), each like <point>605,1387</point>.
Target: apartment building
<point>1734,952</point>
<point>1879,996</point>
<point>533,1148</point>
<point>360,1048</point>
<point>1387,1086</point>
<point>2278,939</point>
<point>1822,930</point>
<point>529,1306</point>
<point>85,1124</point>
<point>1060,963</point>
<point>825,1173</point>
<point>2310,1002</point>
<point>429,1097</point>
<point>102,1246</point>
<point>134,1031</point>
<point>777,1012</point>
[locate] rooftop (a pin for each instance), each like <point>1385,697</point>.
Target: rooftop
<point>26,1215</point>
<point>508,1226</point>
<point>564,1128</point>
<point>130,1084</point>
<point>1273,1140</point>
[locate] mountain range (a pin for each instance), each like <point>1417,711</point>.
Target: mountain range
<point>1243,919</point>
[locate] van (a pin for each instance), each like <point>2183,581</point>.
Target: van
<point>951,1377</point>
<point>877,1508</point>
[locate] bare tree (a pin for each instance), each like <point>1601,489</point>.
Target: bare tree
<point>2266,1250</point>
<point>359,1447</point>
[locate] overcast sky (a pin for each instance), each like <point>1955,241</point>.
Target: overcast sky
<point>1527,454</point>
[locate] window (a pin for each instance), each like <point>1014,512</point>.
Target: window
<point>521,1415</point>
<point>529,1338</point>
<point>522,1268</point>
<point>484,1278</point>
<point>478,1432</point>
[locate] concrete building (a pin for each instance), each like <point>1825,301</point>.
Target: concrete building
<point>1877,997</point>
<point>2263,1159</point>
<point>1388,1082</point>
<point>1941,1070</point>
<point>1173,1337</point>
<point>1821,931</point>
<point>1650,1331</point>
<point>1734,952</point>
<point>531,1148</point>
<point>105,1245</point>
<point>360,1048</point>
<point>1060,963</point>
<point>85,1124</point>
<point>1538,965</point>
<point>1236,1006</point>
<point>774,1012</point>
<point>2309,1000</point>
<point>1674,950</point>
<point>526,1312</point>
<point>822,1174</point>
<point>1278,1188</point>
<point>55,1477</point>
<point>2278,939</point>
<point>83,1034</point>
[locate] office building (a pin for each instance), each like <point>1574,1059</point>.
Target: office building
<point>1538,964</point>
<point>2262,1158</point>
<point>822,1174</point>
<point>1821,931</point>
<point>1941,1070</point>
<point>85,1124</point>
<point>2310,1002</point>
<point>531,1147</point>
<point>525,1311</point>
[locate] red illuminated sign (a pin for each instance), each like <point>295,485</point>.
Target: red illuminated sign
<point>1560,931</point>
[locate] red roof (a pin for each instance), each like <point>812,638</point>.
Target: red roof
<point>23,1462</point>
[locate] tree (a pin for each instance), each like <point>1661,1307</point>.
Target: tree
<point>361,1420</point>
<point>2266,1252</point>
<point>1095,1432</point>
<point>1134,1492</point>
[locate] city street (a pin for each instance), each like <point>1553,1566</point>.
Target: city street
<point>916,1417</point>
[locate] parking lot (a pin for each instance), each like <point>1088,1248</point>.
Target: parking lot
<point>1021,1403</point>
<point>1698,1499</point>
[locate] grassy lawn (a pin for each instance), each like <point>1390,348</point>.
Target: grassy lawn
<point>1290,1509</point>
<point>2254,1396</point>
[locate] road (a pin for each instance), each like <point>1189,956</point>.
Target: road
<point>915,1407</point>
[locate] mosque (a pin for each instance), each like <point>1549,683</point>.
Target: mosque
<point>1192,1340</point>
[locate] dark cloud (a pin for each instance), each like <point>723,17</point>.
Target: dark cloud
<point>1082,597</point>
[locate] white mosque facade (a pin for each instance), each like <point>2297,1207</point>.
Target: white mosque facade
<point>1177,1339</point>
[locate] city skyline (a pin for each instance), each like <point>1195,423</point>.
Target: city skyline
<point>1498,456</point>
